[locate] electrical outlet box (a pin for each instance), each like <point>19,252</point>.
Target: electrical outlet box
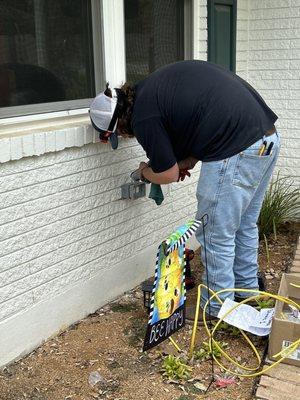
<point>133,190</point>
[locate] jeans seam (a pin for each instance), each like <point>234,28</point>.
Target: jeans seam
<point>223,173</point>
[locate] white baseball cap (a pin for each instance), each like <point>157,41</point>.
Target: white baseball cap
<point>104,112</point>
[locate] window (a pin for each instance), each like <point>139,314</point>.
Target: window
<point>156,34</point>
<point>222,32</point>
<point>46,55</point>
<point>55,55</point>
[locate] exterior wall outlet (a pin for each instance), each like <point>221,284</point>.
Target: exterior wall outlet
<point>133,190</point>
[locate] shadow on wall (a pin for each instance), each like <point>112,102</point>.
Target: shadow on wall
<point>22,84</point>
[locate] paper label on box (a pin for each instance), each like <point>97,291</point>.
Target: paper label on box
<point>295,355</point>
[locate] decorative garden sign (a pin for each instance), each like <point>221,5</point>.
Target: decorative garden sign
<point>167,312</point>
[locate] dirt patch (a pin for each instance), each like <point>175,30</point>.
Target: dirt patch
<point>108,343</point>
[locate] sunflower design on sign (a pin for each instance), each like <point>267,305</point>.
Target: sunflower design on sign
<point>167,313</point>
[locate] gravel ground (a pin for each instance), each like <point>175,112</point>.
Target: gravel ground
<point>106,347</point>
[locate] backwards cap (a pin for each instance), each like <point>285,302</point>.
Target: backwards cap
<point>104,112</point>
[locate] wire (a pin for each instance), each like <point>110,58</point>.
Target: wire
<point>254,371</point>
<point>175,344</point>
<point>294,285</point>
<point>251,372</point>
<point>209,304</point>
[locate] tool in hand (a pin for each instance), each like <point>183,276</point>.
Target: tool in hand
<point>156,192</point>
<point>136,176</point>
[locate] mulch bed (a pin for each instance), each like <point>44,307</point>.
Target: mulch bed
<point>108,343</point>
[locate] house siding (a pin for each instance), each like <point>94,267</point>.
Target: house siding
<point>63,224</point>
<point>242,39</point>
<point>271,63</point>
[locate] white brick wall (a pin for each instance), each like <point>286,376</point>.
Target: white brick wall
<point>62,223</point>
<point>271,63</point>
<point>242,42</point>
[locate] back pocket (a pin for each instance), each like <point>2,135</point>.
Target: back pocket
<point>249,169</point>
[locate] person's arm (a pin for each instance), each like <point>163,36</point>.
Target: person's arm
<point>168,176</point>
<point>154,139</point>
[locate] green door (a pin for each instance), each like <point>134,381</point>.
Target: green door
<point>222,32</point>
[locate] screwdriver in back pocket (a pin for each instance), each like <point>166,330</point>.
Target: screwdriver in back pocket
<point>269,148</point>
<point>262,148</point>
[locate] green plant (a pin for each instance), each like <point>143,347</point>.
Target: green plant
<point>264,303</point>
<point>234,331</point>
<point>223,326</point>
<point>204,353</point>
<point>184,397</point>
<point>174,368</point>
<point>281,204</point>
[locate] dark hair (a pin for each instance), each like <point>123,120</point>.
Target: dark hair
<point>129,96</point>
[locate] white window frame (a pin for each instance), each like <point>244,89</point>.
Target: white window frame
<point>109,33</point>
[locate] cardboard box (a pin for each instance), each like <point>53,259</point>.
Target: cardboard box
<point>285,332</point>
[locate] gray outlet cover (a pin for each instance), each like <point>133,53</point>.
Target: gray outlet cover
<point>133,190</point>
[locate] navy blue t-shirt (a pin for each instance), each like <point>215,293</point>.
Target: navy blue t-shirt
<point>195,108</point>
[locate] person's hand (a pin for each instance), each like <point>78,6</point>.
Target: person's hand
<point>184,166</point>
<point>187,163</point>
<point>142,166</point>
<point>182,174</point>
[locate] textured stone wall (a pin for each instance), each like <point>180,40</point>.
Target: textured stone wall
<point>63,223</point>
<point>268,56</point>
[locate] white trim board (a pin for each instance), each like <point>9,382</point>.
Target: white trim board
<point>114,41</point>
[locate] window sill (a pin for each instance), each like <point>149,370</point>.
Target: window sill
<point>23,125</point>
<point>36,135</point>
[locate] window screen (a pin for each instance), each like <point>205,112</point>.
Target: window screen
<point>45,51</point>
<point>154,34</point>
<point>222,32</point>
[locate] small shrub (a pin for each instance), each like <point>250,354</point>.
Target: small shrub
<point>174,368</point>
<point>281,204</point>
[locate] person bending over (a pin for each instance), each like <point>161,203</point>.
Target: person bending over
<point>194,111</point>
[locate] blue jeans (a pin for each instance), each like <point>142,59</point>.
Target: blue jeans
<point>231,193</point>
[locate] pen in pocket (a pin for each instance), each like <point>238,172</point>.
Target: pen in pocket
<point>262,148</point>
<point>269,148</point>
